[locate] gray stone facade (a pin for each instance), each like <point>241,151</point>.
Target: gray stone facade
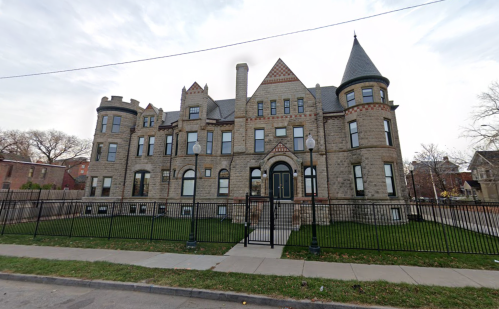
<point>325,114</point>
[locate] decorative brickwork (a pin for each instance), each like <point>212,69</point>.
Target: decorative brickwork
<point>280,73</point>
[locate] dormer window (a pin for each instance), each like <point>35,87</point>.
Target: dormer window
<point>350,99</point>
<point>367,95</point>
<point>146,122</point>
<point>194,113</point>
<point>151,121</point>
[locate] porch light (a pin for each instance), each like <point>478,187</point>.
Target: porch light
<point>264,174</point>
<point>295,174</point>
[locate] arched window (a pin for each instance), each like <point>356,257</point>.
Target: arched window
<point>188,183</point>
<point>256,182</point>
<point>308,182</point>
<point>223,182</point>
<point>141,183</point>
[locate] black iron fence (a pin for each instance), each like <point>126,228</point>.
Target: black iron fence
<point>39,195</point>
<point>391,227</point>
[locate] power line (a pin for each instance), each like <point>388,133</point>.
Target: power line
<point>223,46</point>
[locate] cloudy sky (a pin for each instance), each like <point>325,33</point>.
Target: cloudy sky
<point>437,57</point>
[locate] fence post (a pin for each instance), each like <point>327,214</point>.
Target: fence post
<point>3,202</point>
<point>271,218</point>
<point>7,205</point>
<point>443,227</point>
<point>376,227</point>
<point>38,220</point>
<point>197,218</point>
<point>38,199</point>
<point>111,224</point>
<point>246,206</point>
<point>73,220</point>
<point>152,223</point>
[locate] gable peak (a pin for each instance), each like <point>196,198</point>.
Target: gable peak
<point>195,88</point>
<point>280,73</point>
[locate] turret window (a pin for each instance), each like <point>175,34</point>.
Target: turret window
<point>98,152</point>
<point>388,133</point>
<point>350,99</point>
<point>354,134</point>
<point>104,124</point>
<point>359,183</point>
<point>116,124</point>
<point>111,154</point>
<point>194,113</point>
<point>390,185</point>
<point>367,95</point>
<point>382,95</point>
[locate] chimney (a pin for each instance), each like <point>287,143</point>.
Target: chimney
<point>446,158</point>
<point>241,89</point>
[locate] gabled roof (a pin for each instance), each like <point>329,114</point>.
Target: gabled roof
<point>491,157</point>
<point>280,73</point>
<point>150,106</point>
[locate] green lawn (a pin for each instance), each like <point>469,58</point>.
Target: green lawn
<point>372,293</point>
<point>413,236</point>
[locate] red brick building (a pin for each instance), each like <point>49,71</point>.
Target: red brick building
<point>16,171</point>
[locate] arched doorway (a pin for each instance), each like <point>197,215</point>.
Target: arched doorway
<point>281,181</point>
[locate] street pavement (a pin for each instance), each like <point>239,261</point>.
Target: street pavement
<point>27,295</point>
<point>263,260</point>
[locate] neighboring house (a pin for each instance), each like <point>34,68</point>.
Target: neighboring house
<point>484,167</point>
<point>444,176</point>
<point>16,171</point>
<point>255,143</point>
<point>77,168</point>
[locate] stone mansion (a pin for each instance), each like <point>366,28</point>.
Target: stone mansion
<point>255,142</point>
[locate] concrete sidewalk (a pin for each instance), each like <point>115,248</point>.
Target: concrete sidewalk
<point>265,261</point>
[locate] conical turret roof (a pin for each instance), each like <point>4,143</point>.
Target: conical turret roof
<point>359,65</point>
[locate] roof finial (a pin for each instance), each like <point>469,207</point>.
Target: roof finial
<point>354,35</point>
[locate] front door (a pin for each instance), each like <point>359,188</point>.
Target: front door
<point>282,182</point>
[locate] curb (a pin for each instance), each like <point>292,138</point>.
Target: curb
<point>184,292</point>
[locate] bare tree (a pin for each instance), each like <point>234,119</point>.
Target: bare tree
<point>484,130</point>
<point>15,141</point>
<point>435,162</point>
<point>56,145</point>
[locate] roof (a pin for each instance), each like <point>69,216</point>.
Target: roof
<point>13,157</point>
<point>491,156</point>
<point>330,102</point>
<point>480,157</point>
<point>359,64</point>
<point>474,184</point>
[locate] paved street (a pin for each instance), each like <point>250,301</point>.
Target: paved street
<point>14,294</point>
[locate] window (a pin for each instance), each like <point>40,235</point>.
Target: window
<point>140,148</point>
<point>133,209</point>
<point>6,185</point>
<point>116,124</point>
<point>143,209</point>
<point>367,95</point>
<point>188,183</point>
<point>259,140</point>
<point>93,186</point>
<point>298,139</point>
<point>165,176</point>
<point>99,152</point>
<point>162,209</point>
<point>192,137</point>
<point>226,142</point>
<point>350,99</point>
<point>223,182</point>
<point>354,134</point>
<point>280,132</point>
<point>388,133</point>
<point>194,113</point>
<point>104,124</point>
<point>256,182</point>
<point>186,210</point>
<point>30,172</point>
<point>207,172</point>
<point>300,106</point>
<point>111,155</point>
<point>106,186</point>
<point>176,144</point>
<point>260,109</point>
<point>272,108</point>
<point>308,182</point>
<point>9,170</point>
<point>286,106</point>
<point>382,95</point>
<point>222,210</point>
<point>396,214</point>
<point>83,166</point>
<point>151,121</point>
<point>88,210</point>
<point>209,143</point>
<point>102,210</point>
<point>145,123</point>
<point>390,185</point>
<point>141,183</point>
<point>169,142</point>
<point>44,173</point>
<point>359,183</point>
<point>150,148</point>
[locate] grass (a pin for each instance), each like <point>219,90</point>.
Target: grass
<point>372,293</point>
<point>415,236</point>
<point>423,259</point>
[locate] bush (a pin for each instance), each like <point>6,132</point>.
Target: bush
<point>30,186</point>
